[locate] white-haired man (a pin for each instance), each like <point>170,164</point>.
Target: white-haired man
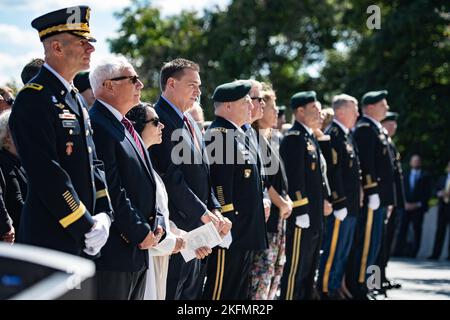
<point>122,268</point>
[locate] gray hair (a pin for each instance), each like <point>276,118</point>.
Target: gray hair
<point>108,68</point>
<point>4,127</point>
<point>341,100</point>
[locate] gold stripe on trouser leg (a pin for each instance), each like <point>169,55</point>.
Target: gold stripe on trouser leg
<point>219,273</point>
<point>330,259</point>
<point>367,236</point>
<point>219,292</point>
<point>294,263</point>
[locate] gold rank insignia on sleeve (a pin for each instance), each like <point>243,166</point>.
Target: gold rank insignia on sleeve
<point>369,183</point>
<point>300,201</point>
<point>77,210</point>
<point>33,86</point>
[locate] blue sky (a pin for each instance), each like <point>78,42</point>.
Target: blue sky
<point>19,42</point>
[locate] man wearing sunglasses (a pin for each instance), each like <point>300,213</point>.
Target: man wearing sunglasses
<point>138,225</point>
<point>6,98</point>
<point>191,198</point>
<point>67,206</point>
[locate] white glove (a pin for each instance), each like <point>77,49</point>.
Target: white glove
<point>340,214</point>
<point>302,221</point>
<point>226,241</point>
<point>97,237</point>
<point>374,201</point>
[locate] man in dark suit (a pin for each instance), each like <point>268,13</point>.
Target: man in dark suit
<point>184,168</point>
<point>301,154</point>
<point>417,194</point>
<point>379,190</point>
<point>237,179</point>
<point>67,206</point>
<point>122,267</point>
<point>443,193</point>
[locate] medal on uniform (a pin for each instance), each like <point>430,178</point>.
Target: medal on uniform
<point>247,173</point>
<point>60,105</point>
<point>69,148</point>
<point>313,166</point>
<point>310,147</point>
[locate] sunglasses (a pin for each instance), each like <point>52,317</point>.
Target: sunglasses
<point>8,101</point>
<point>260,99</point>
<point>134,79</point>
<point>155,121</point>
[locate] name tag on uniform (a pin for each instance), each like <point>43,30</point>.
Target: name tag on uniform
<point>69,123</point>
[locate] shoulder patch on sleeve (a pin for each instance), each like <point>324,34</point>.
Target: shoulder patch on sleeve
<point>33,86</point>
<point>292,133</point>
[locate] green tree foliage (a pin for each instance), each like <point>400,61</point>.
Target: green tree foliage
<point>278,40</point>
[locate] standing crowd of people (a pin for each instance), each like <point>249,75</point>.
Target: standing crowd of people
<point>311,212</point>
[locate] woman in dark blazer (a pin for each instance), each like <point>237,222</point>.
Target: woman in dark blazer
<point>15,189</point>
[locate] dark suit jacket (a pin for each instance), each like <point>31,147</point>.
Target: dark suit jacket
<point>132,189</point>
<point>66,183</point>
<point>188,184</point>
<point>421,192</point>
<point>440,185</point>
<point>15,191</point>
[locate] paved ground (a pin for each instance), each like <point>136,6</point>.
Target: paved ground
<point>420,279</point>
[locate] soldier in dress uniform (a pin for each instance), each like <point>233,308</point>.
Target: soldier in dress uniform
<point>237,181</point>
<point>379,192</point>
<point>344,177</point>
<point>393,219</point>
<point>67,206</point>
<point>301,154</point>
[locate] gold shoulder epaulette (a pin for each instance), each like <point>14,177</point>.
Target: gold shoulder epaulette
<point>292,133</point>
<point>34,86</point>
<point>220,129</point>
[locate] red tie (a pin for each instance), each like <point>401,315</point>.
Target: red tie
<point>133,133</point>
<point>191,130</point>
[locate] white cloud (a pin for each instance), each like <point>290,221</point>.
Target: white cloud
<point>13,35</point>
<point>50,5</point>
<point>12,65</point>
<point>170,7</point>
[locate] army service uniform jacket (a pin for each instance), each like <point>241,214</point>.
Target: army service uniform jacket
<point>376,161</point>
<point>344,173</point>
<point>301,155</point>
<point>237,181</point>
<point>66,181</point>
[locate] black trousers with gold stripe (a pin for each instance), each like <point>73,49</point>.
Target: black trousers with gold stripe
<point>228,274</point>
<point>302,259</point>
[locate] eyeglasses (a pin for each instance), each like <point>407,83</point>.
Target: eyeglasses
<point>155,121</point>
<point>134,79</point>
<point>260,99</point>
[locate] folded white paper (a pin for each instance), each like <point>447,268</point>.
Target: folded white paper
<point>204,236</point>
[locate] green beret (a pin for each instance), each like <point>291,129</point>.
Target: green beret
<point>81,81</point>
<point>302,98</point>
<point>232,91</point>
<point>74,20</point>
<point>372,97</point>
<point>390,116</point>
